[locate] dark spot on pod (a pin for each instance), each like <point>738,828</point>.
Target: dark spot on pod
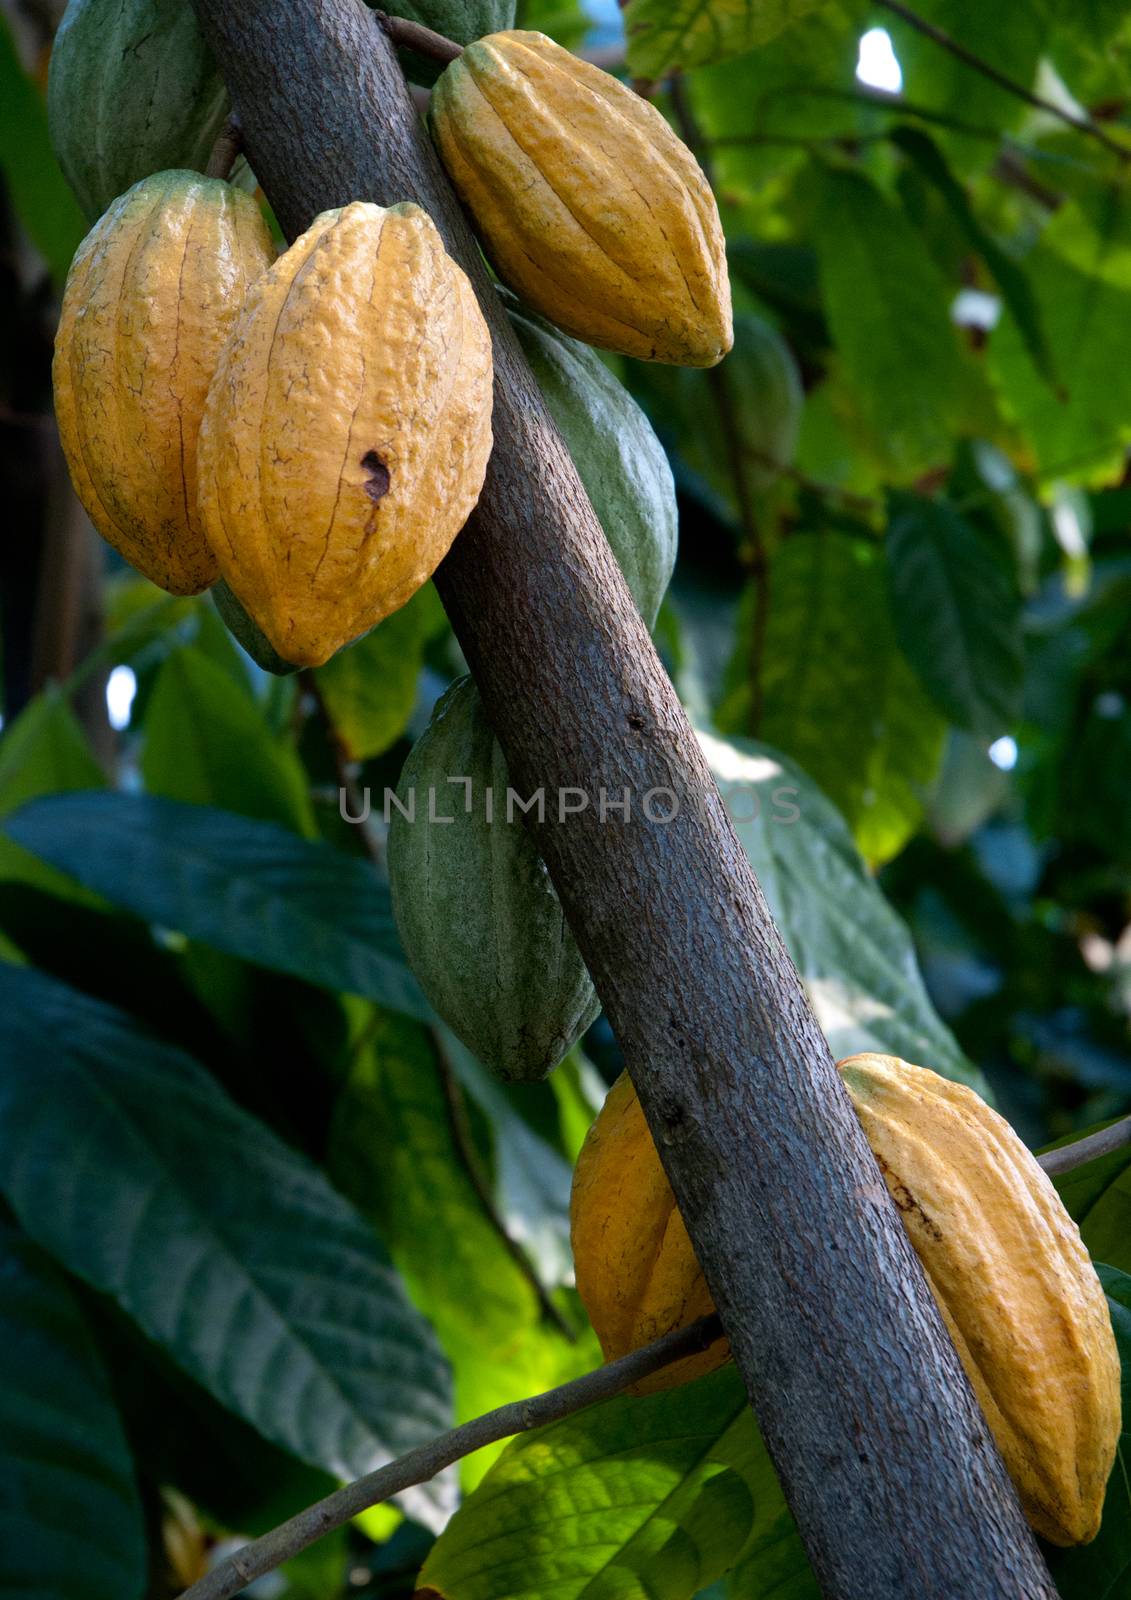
<point>377,485</point>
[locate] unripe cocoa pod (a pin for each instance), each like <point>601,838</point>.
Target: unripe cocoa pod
<point>479,919</point>
<point>132,90</point>
<point>247,633</point>
<point>1004,1260</point>
<point>150,297</point>
<point>588,203</point>
<point>347,429</point>
<point>618,457</point>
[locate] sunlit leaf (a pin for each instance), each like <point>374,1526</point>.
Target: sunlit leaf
<point>663,34</point>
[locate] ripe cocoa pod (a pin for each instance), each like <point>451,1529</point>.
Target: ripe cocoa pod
<point>1004,1260</point>
<point>347,428</point>
<point>636,1271</point>
<point>588,203</point>
<point>480,922</point>
<point>150,296</point>
<point>1012,1279</point>
<point>618,457</point>
<point>131,90</point>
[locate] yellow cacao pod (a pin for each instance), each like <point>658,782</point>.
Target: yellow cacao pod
<point>636,1271</point>
<point>347,429</point>
<point>150,297</point>
<point>588,203</point>
<point>1004,1260</point>
<point>1013,1282</point>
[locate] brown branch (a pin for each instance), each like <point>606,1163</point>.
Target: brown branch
<point>1093,1145</point>
<point>262,1555</point>
<point>228,146</point>
<point>975,62</point>
<point>883,1453</point>
<point>408,35</point>
<point>464,1142</point>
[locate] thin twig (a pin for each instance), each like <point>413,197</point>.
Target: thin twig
<point>968,57</point>
<point>465,1148</point>
<point>408,35</point>
<point>419,1465</point>
<point>1089,1148</point>
<point>228,146</point>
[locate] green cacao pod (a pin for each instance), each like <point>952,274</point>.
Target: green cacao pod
<point>763,377</point>
<point>247,632</point>
<point>132,89</point>
<point>590,206</point>
<point>460,20</point>
<point>620,461</point>
<point>478,916</point>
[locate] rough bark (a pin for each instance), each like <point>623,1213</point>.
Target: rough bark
<point>882,1451</point>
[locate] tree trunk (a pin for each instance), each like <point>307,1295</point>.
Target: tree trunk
<point>883,1453</point>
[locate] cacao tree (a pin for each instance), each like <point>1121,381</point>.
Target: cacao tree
<point>433,904</point>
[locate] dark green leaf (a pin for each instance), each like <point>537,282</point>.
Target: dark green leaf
<point>957,613</point>
<point>42,200</point>
<point>70,1517</point>
<point>206,742</point>
<point>123,1158</point>
<point>247,888</point>
<point>1016,290</point>
<point>1102,1570</point>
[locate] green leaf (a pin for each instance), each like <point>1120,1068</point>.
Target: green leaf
<point>44,751</point>
<point>42,200</point>
<point>1102,1570</point>
<point>370,687</point>
<point>1098,1197</point>
<point>120,1155</point>
<point>1008,39</point>
<point>656,1496</point>
<point>1016,290</point>
<point>70,1517</point>
<point>839,695</point>
<point>957,613</point>
<point>247,888</point>
<point>1081,274</point>
<point>888,309</point>
<point>852,950</point>
<point>206,742</point>
<point>392,1151</point>
<point>665,34</point>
